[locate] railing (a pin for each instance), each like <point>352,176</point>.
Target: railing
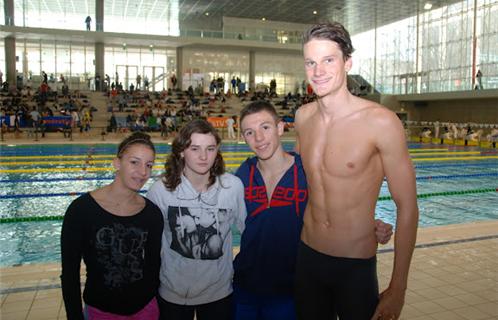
<point>195,33</point>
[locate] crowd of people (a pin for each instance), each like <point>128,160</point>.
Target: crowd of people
<point>454,131</point>
<point>24,108</point>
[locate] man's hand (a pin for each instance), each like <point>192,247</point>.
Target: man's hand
<point>383,231</point>
<point>390,304</point>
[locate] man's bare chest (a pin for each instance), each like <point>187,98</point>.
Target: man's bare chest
<point>336,152</point>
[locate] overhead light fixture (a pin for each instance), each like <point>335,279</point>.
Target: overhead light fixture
<point>428,6</point>
<point>207,13</point>
<point>124,46</point>
<point>151,47</point>
<point>315,12</point>
<point>264,19</point>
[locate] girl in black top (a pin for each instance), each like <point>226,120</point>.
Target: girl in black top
<point>117,232</point>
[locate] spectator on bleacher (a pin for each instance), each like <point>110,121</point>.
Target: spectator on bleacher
<point>139,124</point>
<point>110,106</point>
<point>174,81</point>
<point>113,124</point>
<point>493,135</point>
<point>139,82</point>
<point>146,83</point>
<point>463,132</point>
<point>436,129</point>
<point>426,133</point>
<point>65,91</point>
<point>24,92</point>
<point>30,128</point>
<point>164,126</point>
<point>75,119</point>
<point>474,135</point>
<point>152,123</point>
<point>85,123</point>
<point>273,87</point>
<point>43,127</point>
<point>107,82</point>
<point>122,104</point>
<point>234,84</point>
<point>230,127</point>
<point>220,85</point>
<point>479,80</point>
<point>49,111</point>
<point>238,84</point>
<point>454,131</point>
<point>35,117</point>
<point>212,86</point>
<point>43,92</point>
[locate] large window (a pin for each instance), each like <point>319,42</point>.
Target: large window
<point>72,60</point>
<point>487,42</point>
<point>201,66</point>
<point>286,69</point>
<point>54,14</point>
<point>443,60</point>
<point>445,51</point>
<point>144,17</point>
<point>124,63</point>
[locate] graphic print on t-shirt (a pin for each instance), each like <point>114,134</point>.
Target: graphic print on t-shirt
<point>198,233</point>
<point>121,252</point>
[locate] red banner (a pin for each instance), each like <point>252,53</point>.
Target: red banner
<point>218,122</point>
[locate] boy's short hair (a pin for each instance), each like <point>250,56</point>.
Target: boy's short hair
<point>258,106</point>
<point>333,31</point>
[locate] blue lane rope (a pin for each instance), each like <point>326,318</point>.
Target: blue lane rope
<point>55,179</point>
<point>451,176</point>
<point>46,195</point>
<point>443,165</point>
<point>383,198</point>
<point>458,176</point>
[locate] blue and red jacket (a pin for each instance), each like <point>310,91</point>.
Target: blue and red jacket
<point>268,247</point>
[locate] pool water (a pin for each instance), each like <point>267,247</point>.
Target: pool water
<point>40,181</point>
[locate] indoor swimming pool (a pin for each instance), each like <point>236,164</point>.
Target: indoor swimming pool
<point>454,185</point>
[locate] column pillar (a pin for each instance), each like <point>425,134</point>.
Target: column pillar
<point>99,16</point>
<point>99,64</point>
<point>10,60</point>
<point>8,9</point>
<point>252,71</point>
<point>179,67</point>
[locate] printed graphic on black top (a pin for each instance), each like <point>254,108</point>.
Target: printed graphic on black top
<point>120,251</point>
<point>198,233</point>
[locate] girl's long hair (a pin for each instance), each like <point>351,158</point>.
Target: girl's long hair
<point>175,163</point>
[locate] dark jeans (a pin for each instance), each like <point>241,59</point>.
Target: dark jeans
<point>217,310</point>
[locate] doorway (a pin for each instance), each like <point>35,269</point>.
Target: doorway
<point>158,80</point>
<point>129,74</point>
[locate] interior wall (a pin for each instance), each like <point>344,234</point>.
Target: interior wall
<point>461,111</point>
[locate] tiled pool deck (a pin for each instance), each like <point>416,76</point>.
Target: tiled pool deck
<point>454,275</point>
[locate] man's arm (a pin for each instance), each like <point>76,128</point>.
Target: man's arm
<point>400,176</point>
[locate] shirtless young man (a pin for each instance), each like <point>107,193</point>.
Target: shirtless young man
<point>348,145</point>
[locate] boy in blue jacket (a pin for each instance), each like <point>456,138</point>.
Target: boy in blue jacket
<point>275,192</point>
